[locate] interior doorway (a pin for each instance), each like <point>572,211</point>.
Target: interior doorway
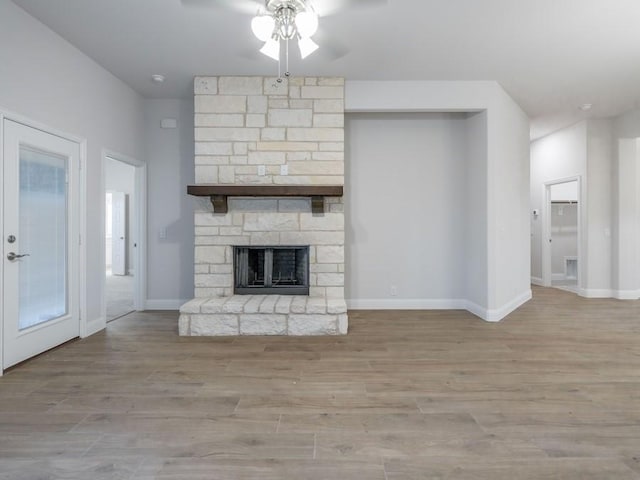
<point>563,235</point>
<point>123,236</point>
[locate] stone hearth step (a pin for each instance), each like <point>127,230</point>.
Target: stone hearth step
<point>263,315</point>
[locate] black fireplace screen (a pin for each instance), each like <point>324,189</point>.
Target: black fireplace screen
<point>271,270</point>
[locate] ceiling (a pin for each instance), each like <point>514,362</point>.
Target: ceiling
<point>551,56</point>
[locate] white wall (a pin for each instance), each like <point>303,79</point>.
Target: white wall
<point>476,227</point>
<point>44,78</point>
<point>500,256</point>
<point>595,149</point>
<point>406,208</point>
<point>170,209</point>
<point>508,168</point>
<point>626,207</point>
<point>120,177</point>
<point>560,155</point>
<point>599,207</point>
<point>171,169</point>
<point>564,192</point>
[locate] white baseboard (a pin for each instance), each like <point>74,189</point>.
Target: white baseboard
<point>94,326</point>
<point>493,315</point>
<point>596,293</point>
<point>626,294</point>
<point>497,314</point>
<point>406,304</point>
<point>162,304</point>
<point>537,281</point>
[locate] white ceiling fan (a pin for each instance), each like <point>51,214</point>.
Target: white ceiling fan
<point>277,22</point>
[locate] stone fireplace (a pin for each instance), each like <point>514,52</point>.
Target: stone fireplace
<point>269,173</point>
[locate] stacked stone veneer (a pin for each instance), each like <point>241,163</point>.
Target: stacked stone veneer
<point>241,124</point>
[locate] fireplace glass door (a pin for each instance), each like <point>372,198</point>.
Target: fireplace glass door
<point>271,270</point>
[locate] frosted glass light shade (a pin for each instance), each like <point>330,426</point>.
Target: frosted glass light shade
<point>307,23</point>
<point>271,49</point>
<point>307,47</point>
<point>263,26</point>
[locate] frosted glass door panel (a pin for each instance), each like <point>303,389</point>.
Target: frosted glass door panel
<point>43,234</point>
<point>40,259</point>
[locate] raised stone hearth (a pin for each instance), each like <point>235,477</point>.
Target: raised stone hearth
<point>255,132</point>
<point>263,315</point>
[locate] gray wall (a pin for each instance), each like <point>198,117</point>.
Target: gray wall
<point>169,209</point>
<point>44,78</point>
<point>498,273</point>
<point>81,98</point>
<point>406,205</point>
<point>476,239</point>
<point>599,206</point>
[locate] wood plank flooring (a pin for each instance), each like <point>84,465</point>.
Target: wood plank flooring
<point>552,392</point>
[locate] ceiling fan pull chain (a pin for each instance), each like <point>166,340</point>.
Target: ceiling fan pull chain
<point>279,80</point>
<point>286,47</point>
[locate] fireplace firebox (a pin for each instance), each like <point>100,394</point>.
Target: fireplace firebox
<point>271,270</point>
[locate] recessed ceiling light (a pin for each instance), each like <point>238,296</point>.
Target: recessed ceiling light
<point>157,78</point>
<point>585,107</point>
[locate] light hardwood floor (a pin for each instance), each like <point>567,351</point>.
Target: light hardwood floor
<point>552,392</point>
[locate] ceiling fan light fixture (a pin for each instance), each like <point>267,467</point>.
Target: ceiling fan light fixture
<point>286,21</point>
<point>282,20</point>
<point>307,23</point>
<point>307,46</point>
<point>262,27</point>
<point>271,49</point>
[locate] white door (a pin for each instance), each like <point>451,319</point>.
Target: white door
<point>40,244</point>
<point>118,233</point>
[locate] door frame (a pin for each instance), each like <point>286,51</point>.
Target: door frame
<point>139,230</point>
<point>6,114</point>
<point>546,229</point>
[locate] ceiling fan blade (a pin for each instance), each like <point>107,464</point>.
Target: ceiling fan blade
<point>330,7</point>
<point>330,48</point>
<point>249,7</point>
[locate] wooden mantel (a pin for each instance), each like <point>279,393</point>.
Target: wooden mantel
<point>219,193</point>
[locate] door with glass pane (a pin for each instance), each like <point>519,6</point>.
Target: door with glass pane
<point>40,244</point>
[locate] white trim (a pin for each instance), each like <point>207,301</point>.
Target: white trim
<point>596,292</point>
<point>164,304</point>
<point>84,329</point>
<point>497,314</point>
<point>406,304</point>
<point>537,281</point>
<point>626,294</point>
<point>608,293</point>
<point>477,310</point>
<point>95,325</point>
<point>558,276</point>
<point>2,237</point>
<point>494,315</point>
<point>15,117</point>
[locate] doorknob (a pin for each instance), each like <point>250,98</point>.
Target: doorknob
<point>12,256</point>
